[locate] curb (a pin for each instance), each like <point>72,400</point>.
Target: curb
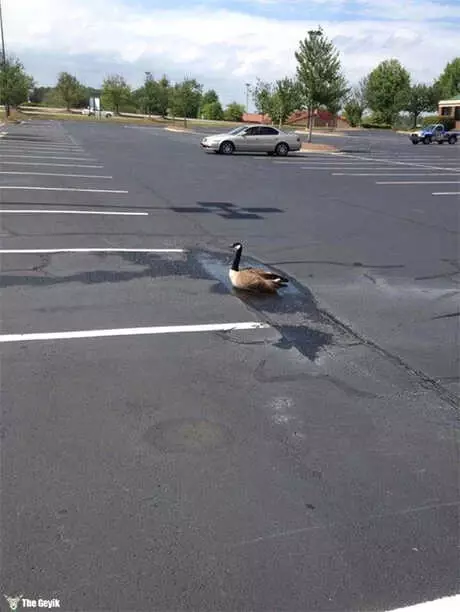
<point>320,148</point>
<point>181,130</point>
<point>329,134</point>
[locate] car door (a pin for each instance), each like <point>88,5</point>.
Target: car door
<point>268,138</point>
<point>437,133</point>
<point>248,141</point>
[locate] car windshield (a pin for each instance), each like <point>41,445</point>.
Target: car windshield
<point>238,129</point>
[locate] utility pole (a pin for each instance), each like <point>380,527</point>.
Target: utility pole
<point>7,106</point>
<point>248,85</point>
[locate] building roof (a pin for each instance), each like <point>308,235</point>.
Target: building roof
<point>450,100</point>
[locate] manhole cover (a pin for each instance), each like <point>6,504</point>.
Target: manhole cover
<point>188,435</point>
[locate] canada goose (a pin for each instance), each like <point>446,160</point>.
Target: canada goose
<point>253,279</point>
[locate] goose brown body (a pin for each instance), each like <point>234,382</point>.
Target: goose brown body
<point>253,279</point>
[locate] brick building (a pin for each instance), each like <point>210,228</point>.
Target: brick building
<point>321,118</point>
<point>450,108</point>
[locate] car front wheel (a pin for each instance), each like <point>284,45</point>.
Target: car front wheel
<point>227,148</point>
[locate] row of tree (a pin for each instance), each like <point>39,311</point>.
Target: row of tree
<point>386,91</point>
<point>319,83</point>
<point>155,97</point>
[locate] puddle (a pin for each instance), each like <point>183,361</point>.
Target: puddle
<point>293,312</point>
<point>306,340</point>
<point>188,435</point>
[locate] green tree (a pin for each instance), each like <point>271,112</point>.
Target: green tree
<point>388,90</point>
<point>356,103</point>
<point>262,95</point>
<point>53,98</point>
<point>319,74</point>
<point>69,89</point>
<point>213,111</point>
<point>419,100</point>
<point>115,92</point>
<point>149,95</point>
<point>37,94</point>
<point>285,100</point>
<point>278,100</point>
<point>15,83</point>
<point>163,95</point>
<point>234,112</point>
<point>448,83</point>
<point>186,98</point>
<point>209,97</point>
<point>353,112</point>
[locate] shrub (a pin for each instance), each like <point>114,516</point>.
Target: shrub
<point>32,104</point>
<point>376,126</point>
<point>212,111</point>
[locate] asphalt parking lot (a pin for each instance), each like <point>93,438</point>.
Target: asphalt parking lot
<point>169,444</point>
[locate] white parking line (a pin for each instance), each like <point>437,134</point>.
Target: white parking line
<point>344,167</point>
<point>29,145</point>
<point>396,173</point>
<point>88,250</point>
<point>72,139</point>
<point>37,211</point>
<point>423,158</point>
<point>88,159</point>
<point>95,176</point>
<point>45,153</point>
<point>329,162</point>
<point>18,163</point>
<point>21,188</point>
<point>400,163</point>
<point>446,193</point>
<point>417,183</point>
<point>133,331</point>
<point>348,170</point>
<point>445,604</point>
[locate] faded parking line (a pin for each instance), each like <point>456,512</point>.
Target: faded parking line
<point>18,172</point>
<point>21,188</point>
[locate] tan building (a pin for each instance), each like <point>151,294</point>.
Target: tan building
<point>451,108</point>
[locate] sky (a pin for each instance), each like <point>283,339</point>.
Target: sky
<point>224,44</point>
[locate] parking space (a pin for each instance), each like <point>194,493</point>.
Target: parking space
<point>168,443</point>
<point>401,169</point>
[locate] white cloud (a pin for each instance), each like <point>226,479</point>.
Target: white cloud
<point>222,48</point>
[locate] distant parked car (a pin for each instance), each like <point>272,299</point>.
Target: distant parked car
<point>252,139</point>
<point>434,133</point>
<point>89,111</point>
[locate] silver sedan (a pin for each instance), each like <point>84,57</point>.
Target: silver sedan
<point>253,139</point>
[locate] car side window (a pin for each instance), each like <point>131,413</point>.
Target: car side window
<point>268,131</point>
<point>252,131</point>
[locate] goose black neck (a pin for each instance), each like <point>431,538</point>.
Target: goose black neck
<point>236,260</point>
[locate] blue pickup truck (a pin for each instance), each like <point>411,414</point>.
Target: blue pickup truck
<point>434,133</point>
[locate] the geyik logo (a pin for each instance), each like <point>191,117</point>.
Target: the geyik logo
<point>13,601</point>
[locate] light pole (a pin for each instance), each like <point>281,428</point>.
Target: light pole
<point>248,85</point>
<point>148,77</point>
<point>314,34</point>
<point>7,106</point>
